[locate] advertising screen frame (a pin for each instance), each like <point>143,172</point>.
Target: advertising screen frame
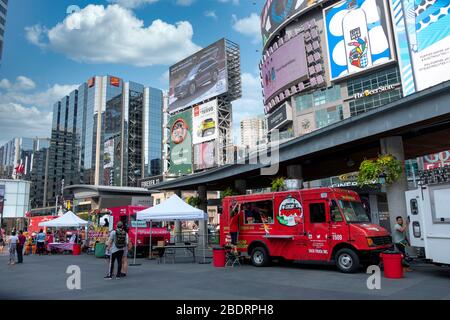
<point>201,125</point>
<point>280,61</point>
<point>389,54</point>
<point>286,110</point>
<point>192,91</point>
<point>409,43</point>
<point>182,120</point>
<point>199,155</point>
<point>303,6</point>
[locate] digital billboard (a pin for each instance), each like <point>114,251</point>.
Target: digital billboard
<point>279,117</point>
<point>205,155</point>
<point>199,77</point>
<point>422,31</point>
<point>285,66</point>
<point>111,162</point>
<point>180,126</point>
<point>276,12</point>
<point>358,36</point>
<point>437,160</point>
<point>205,122</point>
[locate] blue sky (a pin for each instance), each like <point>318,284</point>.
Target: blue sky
<point>45,57</point>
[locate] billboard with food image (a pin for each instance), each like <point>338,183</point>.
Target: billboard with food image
<point>180,126</point>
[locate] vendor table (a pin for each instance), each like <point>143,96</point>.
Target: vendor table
<point>173,248</point>
<point>62,246</point>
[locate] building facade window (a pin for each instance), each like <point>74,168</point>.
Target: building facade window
<point>318,98</point>
<point>374,81</point>
<point>325,117</point>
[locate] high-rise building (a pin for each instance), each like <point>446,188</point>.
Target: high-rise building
<point>253,131</point>
<point>3,11</point>
<point>107,132</point>
<point>19,151</point>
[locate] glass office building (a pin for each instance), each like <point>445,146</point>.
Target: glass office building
<point>107,132</point>
<point>3,11</point>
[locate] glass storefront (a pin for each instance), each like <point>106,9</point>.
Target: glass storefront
<point>318,98</point>
<point>374,81</point>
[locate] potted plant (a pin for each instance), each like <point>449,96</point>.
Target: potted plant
<point>278,184</point>
<point>386,169</point>
<point>228,192</point>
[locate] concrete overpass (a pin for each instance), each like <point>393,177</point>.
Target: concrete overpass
<point>413,126</point>
<point>422,121</point>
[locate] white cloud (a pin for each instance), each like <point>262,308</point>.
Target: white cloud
<point>114,34</point>
<point>250,105</point>
<point>249,26</point>
<point>20,121</point>
<point>132,3</point>
<point>185,2</point>
<point>211,14</point>
<point>235,2</point>
<point>26,111</point>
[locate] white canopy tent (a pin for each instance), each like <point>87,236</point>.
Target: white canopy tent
<point>173,209</point>
<point>68,220</point>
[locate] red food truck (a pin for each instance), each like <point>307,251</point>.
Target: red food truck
<point>128,217</point>
<point>323,224</point>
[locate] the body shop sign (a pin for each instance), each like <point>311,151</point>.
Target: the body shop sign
<point>181,143</point>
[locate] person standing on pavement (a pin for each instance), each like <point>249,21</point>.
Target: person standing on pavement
<point>12,242</point>
<point>2,240</point>
<point>118,240</point>
<point>20,245</point>
<point>400,240</point>
<point>40,242</point>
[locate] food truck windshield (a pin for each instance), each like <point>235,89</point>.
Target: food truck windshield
<point>354,211</point>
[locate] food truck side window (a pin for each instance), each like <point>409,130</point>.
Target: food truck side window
<point>317,213</point>
<point>335,212</point>
<point>258,212</point>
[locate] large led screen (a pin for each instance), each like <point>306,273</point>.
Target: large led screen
<point>276,12</point>
<point>284,67</point>
<point>199,77</point>
<point>358,36</point>
<point>422,30</point>
<point>205,122</point>
<point>181,143</point>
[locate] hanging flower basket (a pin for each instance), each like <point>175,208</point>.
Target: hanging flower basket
<point>386,169</point>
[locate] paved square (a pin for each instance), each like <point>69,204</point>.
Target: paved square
<point>45,278</point>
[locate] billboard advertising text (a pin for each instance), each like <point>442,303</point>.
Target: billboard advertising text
<point>181,143</point>
<point>437,160</point>
<point>279,117</point>
<point>422,30</point>
<point>285,66</point>
<point>358,36</point>
<point>200,77</point>
<point>205,155</point>
<point>276,12</point>
<point>205,122</point>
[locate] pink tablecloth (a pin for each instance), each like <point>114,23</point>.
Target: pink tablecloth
<point>62,246</point>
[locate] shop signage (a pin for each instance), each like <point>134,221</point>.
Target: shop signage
<point>279,117</point>
<point>378,90</point>
<point>151,181</point>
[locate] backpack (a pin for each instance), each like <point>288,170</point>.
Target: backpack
<point>120,239</point>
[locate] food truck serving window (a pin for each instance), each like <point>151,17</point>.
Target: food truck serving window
<point>258,212</point>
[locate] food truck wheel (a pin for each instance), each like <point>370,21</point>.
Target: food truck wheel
<point>347,260</point>
<point>260,257</point>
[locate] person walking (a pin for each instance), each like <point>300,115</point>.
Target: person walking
<point>20,245</point>
<point>40,242</point>
<point>118,240</point>
<point>400,240</point>
<point>12,242</point>
<point>2,240</point>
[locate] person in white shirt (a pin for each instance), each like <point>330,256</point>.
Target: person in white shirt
<point>12,241</point>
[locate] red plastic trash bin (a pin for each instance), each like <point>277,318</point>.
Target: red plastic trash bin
<point>392,262</point>
<point>76,249</point>
<point>219,257</point>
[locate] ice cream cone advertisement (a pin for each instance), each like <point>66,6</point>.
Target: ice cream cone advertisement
<point>290,212</point>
